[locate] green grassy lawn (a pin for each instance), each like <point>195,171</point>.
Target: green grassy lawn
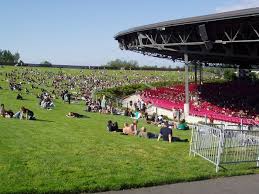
<point>60,154</point>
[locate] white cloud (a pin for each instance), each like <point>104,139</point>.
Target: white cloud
<point>241,4</point>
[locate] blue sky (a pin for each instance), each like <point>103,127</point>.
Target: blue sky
<point>80,32</point>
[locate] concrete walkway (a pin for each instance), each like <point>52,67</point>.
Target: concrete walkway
<point>231,185</point>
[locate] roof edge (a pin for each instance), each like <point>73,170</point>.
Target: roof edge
<point>192,20</point>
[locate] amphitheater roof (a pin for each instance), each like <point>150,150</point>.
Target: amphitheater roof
<point>229,38</point>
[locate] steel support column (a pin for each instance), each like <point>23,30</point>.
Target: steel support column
<point>201,74</point>
<point>186,105</point>
<point>195,73</point>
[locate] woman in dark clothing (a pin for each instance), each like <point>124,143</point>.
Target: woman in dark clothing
<point>113,127</point>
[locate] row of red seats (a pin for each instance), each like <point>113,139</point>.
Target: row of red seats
<point>173,97</point>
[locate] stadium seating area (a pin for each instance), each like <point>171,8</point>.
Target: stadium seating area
<point>230,102</point>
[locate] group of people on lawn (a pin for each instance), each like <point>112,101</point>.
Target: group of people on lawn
<point>104,106</point>
<point>166,132</point>
<point>22,114</point>
<point>82,85</point>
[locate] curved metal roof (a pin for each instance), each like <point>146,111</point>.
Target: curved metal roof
<point>193,20</point>
<point>222,38</point>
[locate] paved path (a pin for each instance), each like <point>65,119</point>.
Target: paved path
<point>232,185</point>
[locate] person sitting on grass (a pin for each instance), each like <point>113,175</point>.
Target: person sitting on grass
<point>25,114</point>
<point>110,127</point>
<point>2,110</point>
<point>143,132</point>
<point>183,125</point>
<point>19,97</point>
<point>128,129</point>
<point>27,91</point>
<point>113,127</point>
<point>135,126</point>
<point>74,115</point>
<point>4,113</point>
<point>167,134</point>
<point>46,101</point>
<point>126,112</point>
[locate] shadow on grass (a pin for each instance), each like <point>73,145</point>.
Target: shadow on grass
<point>254,167</point>
<point>42,120</point>
<point>24,99</point>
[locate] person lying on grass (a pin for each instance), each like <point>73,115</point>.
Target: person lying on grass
<point>167,134</point>
<point>143,133</point>
<point>24,114</point>
<point>74,115</point>
<point>9,114</point>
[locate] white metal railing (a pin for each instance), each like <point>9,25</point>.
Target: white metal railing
<point>223,146</point>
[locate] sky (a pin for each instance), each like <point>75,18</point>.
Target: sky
<point>80,32</point>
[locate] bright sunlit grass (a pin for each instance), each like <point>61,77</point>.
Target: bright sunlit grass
<point>60,154</point>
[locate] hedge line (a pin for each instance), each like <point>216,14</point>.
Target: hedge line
<point>123,91</point>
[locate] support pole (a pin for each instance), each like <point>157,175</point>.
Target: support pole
<point>238,72</point>
<point>195,73</point>
<point>221,139</point>
<point>200,74</point>
<point>186,105</point>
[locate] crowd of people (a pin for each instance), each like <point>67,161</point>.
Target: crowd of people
<point>48,86</point>
<point>77,86</point>
<point>165,133</point>
<point>71,87</point>
<point>46,101</point>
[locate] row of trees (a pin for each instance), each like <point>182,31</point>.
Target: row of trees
<point>9,58</point>
<point>123,64</point>
<point>231,74</point>
<point>6,57</point>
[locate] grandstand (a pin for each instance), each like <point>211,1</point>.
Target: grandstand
<point>216,101</point>
<point>229,39</point>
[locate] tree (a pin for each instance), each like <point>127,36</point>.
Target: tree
<point>46,63</point>
<point>253,76</point>
<point>119,64</point>
<point>6,57</point>
<point>16,57</point>
<point>229,74</point>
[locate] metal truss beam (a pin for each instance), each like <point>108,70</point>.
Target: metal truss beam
<point>228,42</point>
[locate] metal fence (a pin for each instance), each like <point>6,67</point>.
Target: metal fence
<point>219,145</point>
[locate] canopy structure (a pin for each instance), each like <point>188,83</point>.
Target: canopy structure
<point>229,39</point>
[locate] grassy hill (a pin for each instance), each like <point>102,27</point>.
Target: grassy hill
<point>60,154</point>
